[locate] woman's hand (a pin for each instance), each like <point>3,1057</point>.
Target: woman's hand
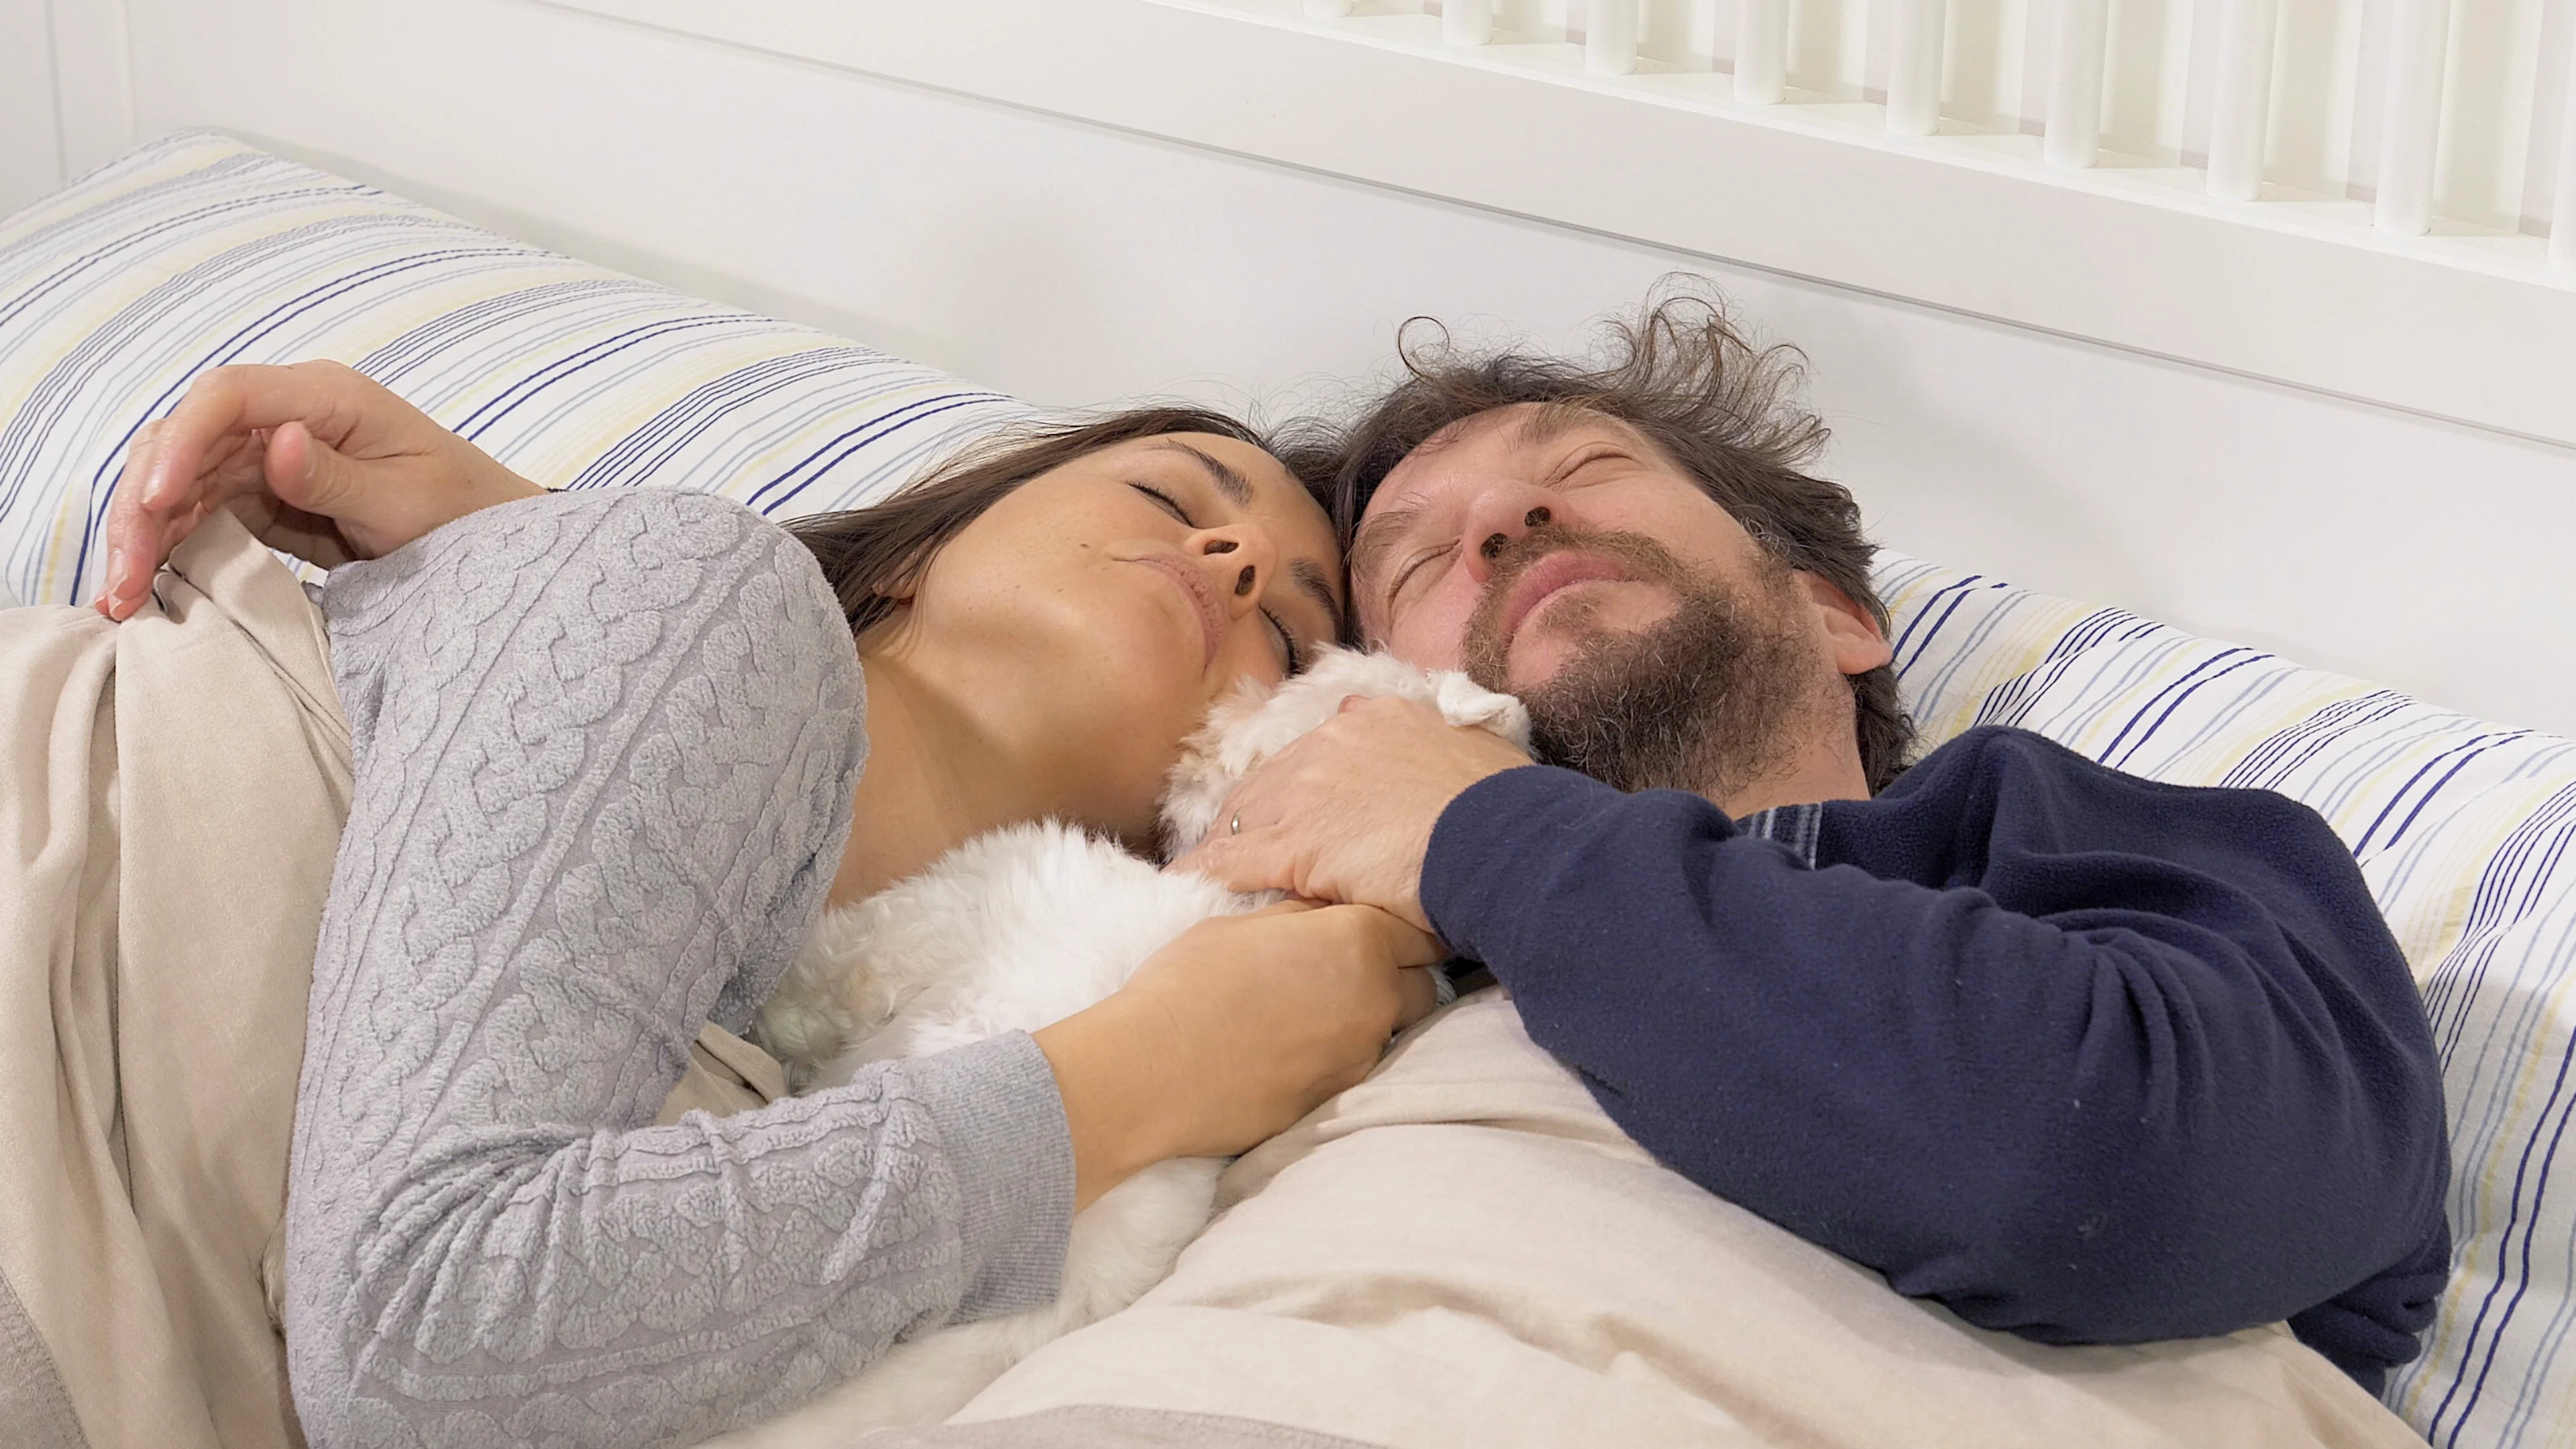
<point>316,459</point>
<point>1228,1035</point>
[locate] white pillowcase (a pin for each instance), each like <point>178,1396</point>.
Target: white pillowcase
<point>197,250</point>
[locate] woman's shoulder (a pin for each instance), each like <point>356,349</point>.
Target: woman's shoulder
<point>596,581</point>
<point>599,553</point>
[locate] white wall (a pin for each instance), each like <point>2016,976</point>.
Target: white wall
<point>65,101</point>
<point>2465,323</point>
<point>30,150</point>
<point>1074,264</point>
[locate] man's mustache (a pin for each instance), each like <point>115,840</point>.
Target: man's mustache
<point>1645,559</point>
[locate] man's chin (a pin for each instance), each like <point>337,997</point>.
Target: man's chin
<point>1575,630</point>
<point>1541,653</point>
<point>1531,671</point>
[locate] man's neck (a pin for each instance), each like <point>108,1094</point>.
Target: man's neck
<point>1826,767</point>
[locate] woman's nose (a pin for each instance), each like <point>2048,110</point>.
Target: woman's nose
<point>1501,517</point>
<point>1242,559</point>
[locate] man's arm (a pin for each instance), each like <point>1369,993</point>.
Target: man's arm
<point>2079,1056</point>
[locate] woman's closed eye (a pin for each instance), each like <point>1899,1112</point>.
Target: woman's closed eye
<point>1292,655</point>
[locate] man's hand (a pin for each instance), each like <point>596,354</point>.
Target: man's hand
<point>1346,813</point>
<point>316,459</point>
<point>1228,1035</point>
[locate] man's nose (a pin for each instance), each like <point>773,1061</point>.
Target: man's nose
<point>1503,516</point>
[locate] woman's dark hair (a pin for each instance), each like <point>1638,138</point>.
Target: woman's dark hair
<point>1681,374</point>
<point>875,556</point>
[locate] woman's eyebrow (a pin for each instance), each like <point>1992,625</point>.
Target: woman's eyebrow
<point>1228,482</point>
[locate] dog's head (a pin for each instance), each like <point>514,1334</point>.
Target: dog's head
<point>1257,721</point>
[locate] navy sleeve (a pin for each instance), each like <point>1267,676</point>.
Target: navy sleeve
<point>2080,1056</point>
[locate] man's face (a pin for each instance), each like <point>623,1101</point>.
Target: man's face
<point>1561,556</point>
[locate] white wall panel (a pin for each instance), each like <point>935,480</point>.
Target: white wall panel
<point>2492,69</point>
<point>2501,72</point>
<point>30,145</point>
<point>93,84</point>
<point>2469,324</point>
<point>66,99</point>
<point>2553,93</point>
<point>2315,86</point>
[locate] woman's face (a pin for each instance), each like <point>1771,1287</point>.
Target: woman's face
<point>1088,619</point>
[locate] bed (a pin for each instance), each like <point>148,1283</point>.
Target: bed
<point>2199,390</point>
<point>198,249</point>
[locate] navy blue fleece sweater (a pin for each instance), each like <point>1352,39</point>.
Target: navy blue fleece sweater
<point>2080,1056</point>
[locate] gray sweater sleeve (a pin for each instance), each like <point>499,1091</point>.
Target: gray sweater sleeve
<point>605,748</point>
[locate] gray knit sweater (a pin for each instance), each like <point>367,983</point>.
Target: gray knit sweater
<point>605,748</point>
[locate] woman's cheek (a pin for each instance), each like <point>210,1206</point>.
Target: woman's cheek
<point>1252,661</point>
<point>1144,671</point>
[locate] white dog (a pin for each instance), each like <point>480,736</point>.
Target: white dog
<point>1020,928</point>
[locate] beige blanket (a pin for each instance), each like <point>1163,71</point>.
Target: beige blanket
<point>1465,1251</point>
<point>171,796</point>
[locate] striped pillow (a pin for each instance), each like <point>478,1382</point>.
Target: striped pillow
<point>196,250</point>
<point>2463,831</point>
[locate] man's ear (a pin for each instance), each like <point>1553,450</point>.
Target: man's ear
<point>1858,647</point>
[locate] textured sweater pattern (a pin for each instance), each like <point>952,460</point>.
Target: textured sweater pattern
<point>605,749</point>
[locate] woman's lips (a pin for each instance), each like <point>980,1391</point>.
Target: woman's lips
<point>1202,596</point>
<point>1560,570</point>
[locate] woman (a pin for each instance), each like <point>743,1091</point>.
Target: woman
<point>609,766</point>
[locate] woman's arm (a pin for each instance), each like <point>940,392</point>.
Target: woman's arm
<point>1232,1032</point>
<point>605,750</point>
<point>606,745</point>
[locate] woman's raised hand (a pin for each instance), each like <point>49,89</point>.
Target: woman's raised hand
<point>316,459</point>
<point>1228,1035</point>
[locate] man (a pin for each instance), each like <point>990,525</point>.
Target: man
<point>2079,1056</point>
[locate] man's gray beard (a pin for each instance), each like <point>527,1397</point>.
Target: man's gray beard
<point>1707,699</point>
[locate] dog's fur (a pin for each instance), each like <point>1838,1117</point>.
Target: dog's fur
<point>1020,928</point>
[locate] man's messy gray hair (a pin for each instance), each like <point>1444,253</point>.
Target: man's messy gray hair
<point>1682,374</point>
